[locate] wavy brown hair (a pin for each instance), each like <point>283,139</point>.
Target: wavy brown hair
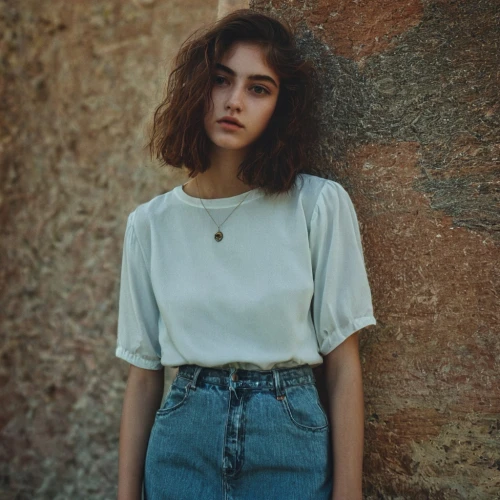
<point>178,136</point>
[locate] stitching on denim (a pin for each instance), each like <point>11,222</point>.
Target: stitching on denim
<point>302,426</point>
<point>166,411</point>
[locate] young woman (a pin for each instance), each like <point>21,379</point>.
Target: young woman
<point>245,278</point>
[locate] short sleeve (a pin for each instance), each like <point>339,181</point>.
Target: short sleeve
<point>342,302</point>
<point>138,313</point>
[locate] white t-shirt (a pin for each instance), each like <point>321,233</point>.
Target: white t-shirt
<point>286,284</point>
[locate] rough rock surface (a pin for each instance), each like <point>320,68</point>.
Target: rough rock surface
<point>410,121</point>
<point>410,127</point>
<point>80,81</point>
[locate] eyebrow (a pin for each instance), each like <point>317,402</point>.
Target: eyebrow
<point>266,78</point>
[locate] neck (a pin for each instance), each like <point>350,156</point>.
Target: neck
<point>220,180</point>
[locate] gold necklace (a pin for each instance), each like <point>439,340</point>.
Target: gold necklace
<point>218,235</point>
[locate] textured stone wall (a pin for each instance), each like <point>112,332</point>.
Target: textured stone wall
<point>226,6</point>
<point>410,120</point>
<point>410,127</point>
<point>79,84</point>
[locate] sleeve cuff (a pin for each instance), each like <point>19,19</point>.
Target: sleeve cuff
<point>136,360</point>
<point>333,341</point>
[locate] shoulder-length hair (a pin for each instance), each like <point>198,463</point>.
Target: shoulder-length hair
<point>178,136</point>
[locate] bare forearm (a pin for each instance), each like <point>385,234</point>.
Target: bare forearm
<point>346,407</point>
<point>141,401</point>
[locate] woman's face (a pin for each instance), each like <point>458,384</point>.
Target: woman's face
<point>245,89</point>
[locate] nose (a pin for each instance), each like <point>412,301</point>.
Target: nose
<point>235,99</point>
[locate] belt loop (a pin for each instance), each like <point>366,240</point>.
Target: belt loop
<point>277,385</point>
<point>197,371</point>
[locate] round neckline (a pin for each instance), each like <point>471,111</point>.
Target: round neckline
<point>230,201</point>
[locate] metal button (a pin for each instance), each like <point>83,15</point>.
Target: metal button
<point>234,377</point>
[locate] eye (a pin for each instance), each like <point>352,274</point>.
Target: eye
<point>259,90</point>
<point>219,79</point>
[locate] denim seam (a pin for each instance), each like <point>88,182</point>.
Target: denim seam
<point>302,426</point>
<point>308,382</point>
<point>223,470</point>
<point>166,411</point>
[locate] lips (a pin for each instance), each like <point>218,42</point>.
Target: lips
<point>231,120</point>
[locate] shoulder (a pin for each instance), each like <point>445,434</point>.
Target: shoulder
<point>316,190</point>
<point>142,219</point>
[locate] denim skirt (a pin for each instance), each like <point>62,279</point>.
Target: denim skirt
<point>234,434</point>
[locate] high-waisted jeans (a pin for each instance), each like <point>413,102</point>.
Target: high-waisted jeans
<point>234,434</point>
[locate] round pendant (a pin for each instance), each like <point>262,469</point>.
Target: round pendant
<point>218,236</point>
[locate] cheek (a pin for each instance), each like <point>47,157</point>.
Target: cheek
<point>208,117</point>
<point>208,109</point>
<point>212,102</point>
<point>217,95</point>
<point>268,113</point>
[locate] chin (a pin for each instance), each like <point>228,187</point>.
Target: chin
<point>231,145</point>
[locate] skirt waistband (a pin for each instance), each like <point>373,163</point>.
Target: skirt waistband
<point>277,379</point>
